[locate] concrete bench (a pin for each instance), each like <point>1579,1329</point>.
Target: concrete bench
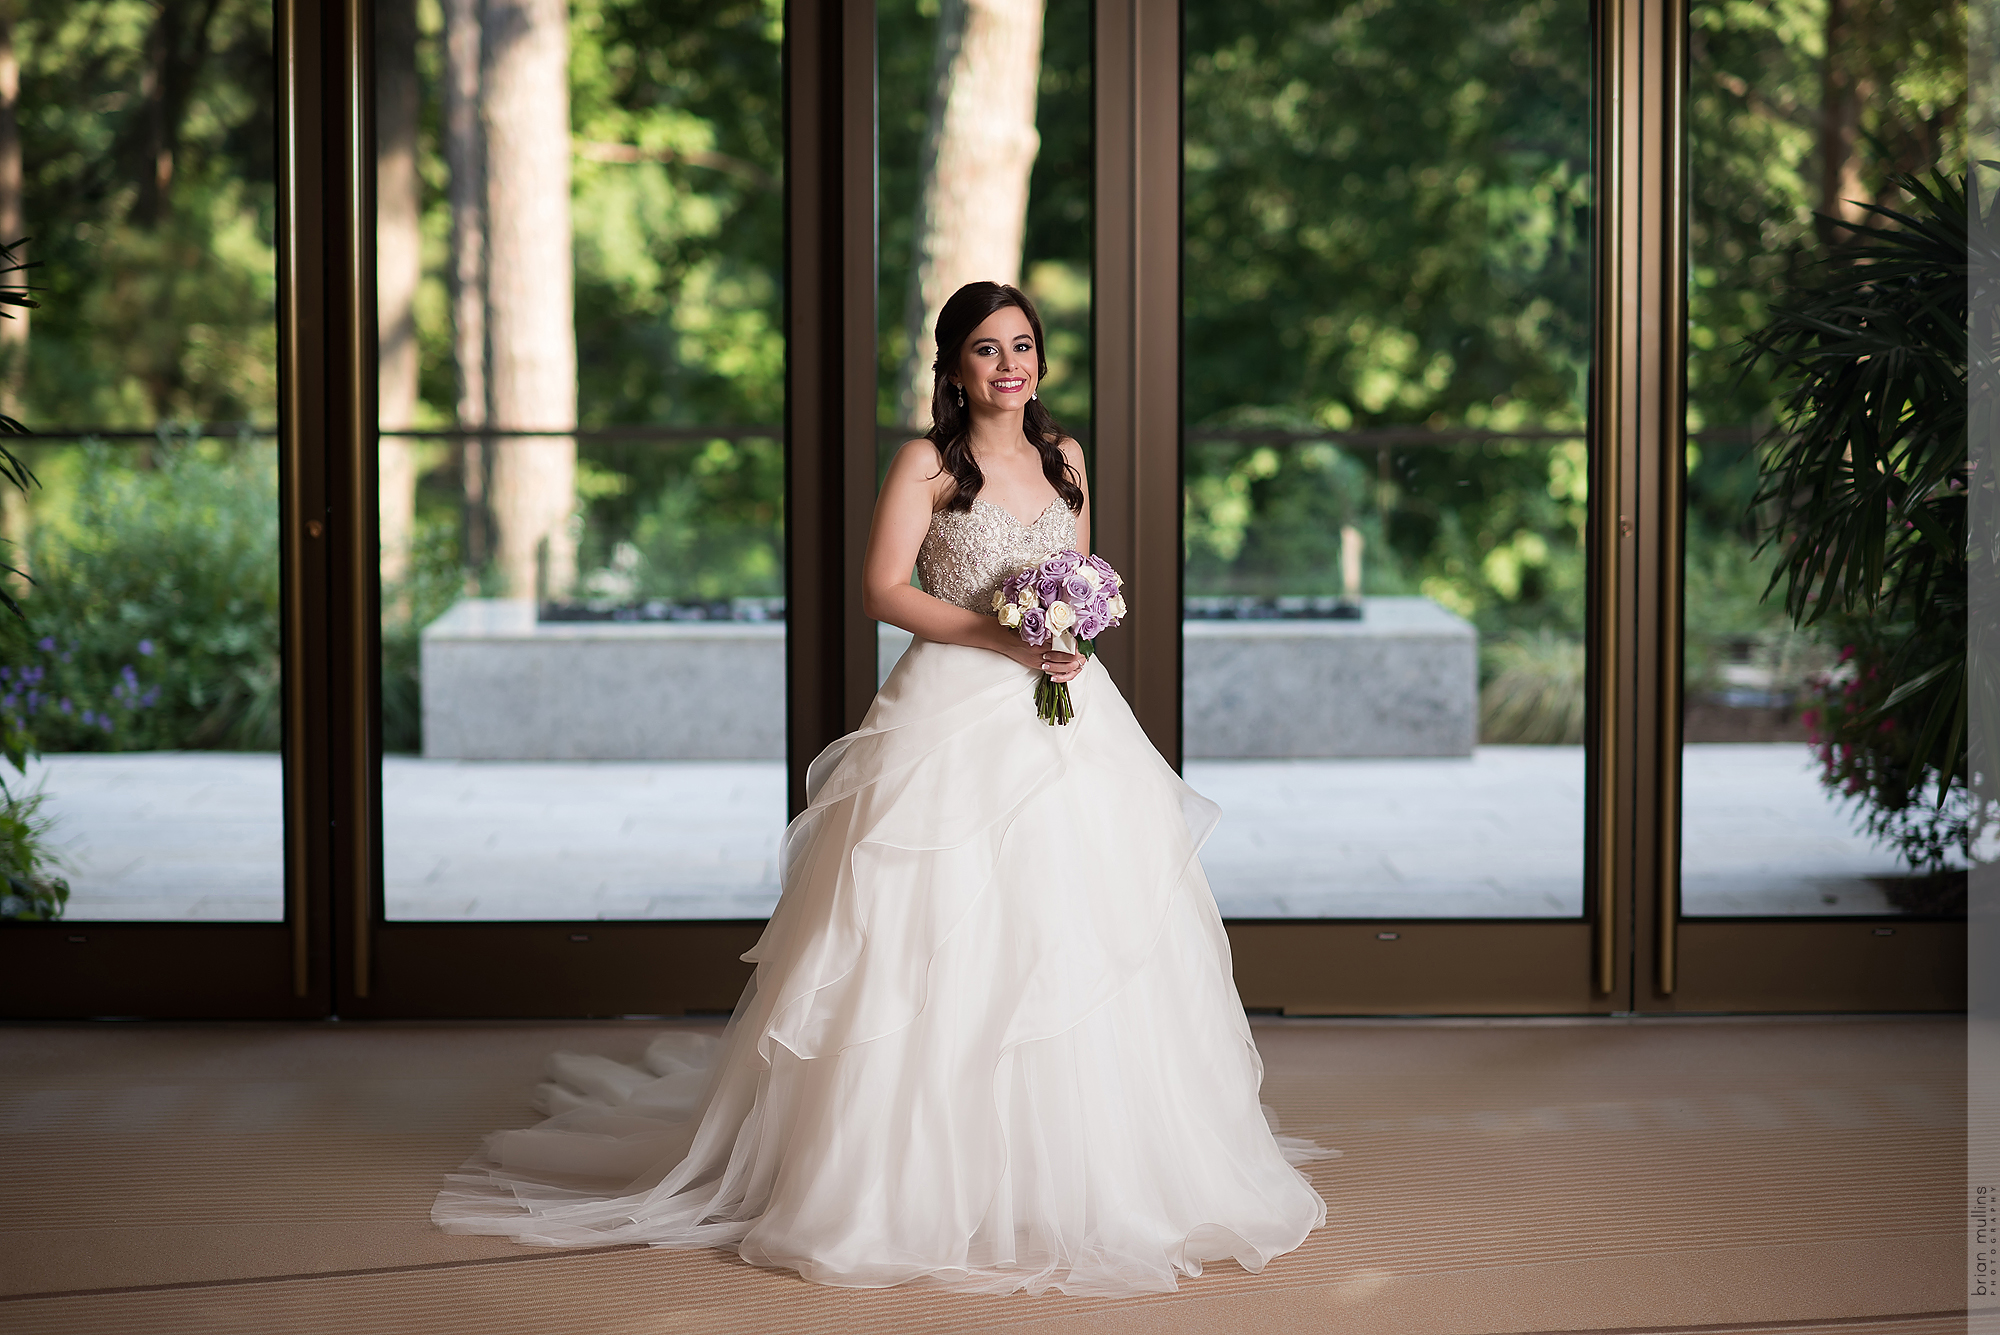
<point>499,685</point>
<point>1401,681</point>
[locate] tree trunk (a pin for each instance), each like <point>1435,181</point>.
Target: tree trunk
<point>465,156</point>
<point>398,268</point>
<point>529,291</point>
<point>979,155</point>
<point>177,49</point>
<point>1839,123</point>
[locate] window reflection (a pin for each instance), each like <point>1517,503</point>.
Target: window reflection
<point>580,242</point>
<point>137,149</point>
<point>1799,114</point>
<point>1387,350</point>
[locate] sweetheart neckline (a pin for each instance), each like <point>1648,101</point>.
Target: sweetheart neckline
<point>1054,501</point>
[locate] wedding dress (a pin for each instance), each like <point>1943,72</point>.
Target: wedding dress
<point>992,1040</point>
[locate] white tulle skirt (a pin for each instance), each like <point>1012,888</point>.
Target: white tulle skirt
<point>992,1040</point>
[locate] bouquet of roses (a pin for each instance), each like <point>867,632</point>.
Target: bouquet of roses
<point>1067,600</point>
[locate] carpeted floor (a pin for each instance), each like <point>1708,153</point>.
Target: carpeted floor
<point>1497,1177</point>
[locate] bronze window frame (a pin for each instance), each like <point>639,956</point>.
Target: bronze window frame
<point>334,954</point>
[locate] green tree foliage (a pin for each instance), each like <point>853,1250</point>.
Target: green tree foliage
<point>1758,150</point>
<point>1759,155</point>
<point>1387,225</point>
<point>678,211</point>
<point>679,254</point>
<point>1386,212</point>
<point>148,149</point>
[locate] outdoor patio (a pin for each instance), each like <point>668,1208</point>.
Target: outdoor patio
<point>196,836</point>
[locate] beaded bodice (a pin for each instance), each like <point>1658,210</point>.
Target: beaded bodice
<point>968,553</point>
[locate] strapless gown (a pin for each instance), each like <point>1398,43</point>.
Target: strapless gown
<point>992,1040</point>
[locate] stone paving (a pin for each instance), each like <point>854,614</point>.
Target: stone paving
<point>192,836</point>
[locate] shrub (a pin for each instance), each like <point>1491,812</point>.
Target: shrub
<point>33,892</point>
<point>1871,740</point>
<point>153,618</point>
<point>1535,694</point>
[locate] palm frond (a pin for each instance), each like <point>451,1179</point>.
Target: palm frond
<point>1865,478</point>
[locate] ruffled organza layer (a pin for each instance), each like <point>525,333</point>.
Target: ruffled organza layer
<point>992,1040</point>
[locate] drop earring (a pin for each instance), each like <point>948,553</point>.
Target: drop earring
<point>961,396</point>
<point>1034,394</point>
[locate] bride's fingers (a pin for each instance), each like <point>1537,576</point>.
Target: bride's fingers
<point>1062,667</point>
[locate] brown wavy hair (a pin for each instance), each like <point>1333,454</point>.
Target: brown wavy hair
<point>951,425</point>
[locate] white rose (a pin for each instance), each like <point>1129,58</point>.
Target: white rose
<point>999,599</point>
<point>1010,617</point>
<point>1092,578</point>
<point>1116,606</point>
<point>1061,616</point>
<point>1028,599</point>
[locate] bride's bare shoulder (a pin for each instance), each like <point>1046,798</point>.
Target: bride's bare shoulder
<point>919,453</point>
<point>918,469</point>
<point>1072,454</point>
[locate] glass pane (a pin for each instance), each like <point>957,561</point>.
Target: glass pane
<point>1387,326</point>
<point>1795,110</point>
<point>580,243</point>
<point>984,172</point>
<point>137,148</point>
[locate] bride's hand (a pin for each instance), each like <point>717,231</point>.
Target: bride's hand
<point>1059,665</point>
<point>1047,658</point>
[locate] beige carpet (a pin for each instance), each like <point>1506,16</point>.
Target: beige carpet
<point>1734,1175</point>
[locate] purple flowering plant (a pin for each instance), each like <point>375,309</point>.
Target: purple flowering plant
<point>35,690</point>
<point>1067,600</point>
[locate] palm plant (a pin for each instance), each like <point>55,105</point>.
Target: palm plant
<point>1864,492</point>
<point>30,889</point>
<point>12,467</point>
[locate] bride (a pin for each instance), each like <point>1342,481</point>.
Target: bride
<point>992,1041</point>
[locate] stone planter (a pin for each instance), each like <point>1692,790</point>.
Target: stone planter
<point>1401,681</point>
<point>498,685</point>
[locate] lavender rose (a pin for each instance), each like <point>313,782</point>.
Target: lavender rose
<point>1091,625</point>
<point>1050,588</point>
<point>1076,590</point>
<point>1035,625</point>
<point>1062,563</point>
